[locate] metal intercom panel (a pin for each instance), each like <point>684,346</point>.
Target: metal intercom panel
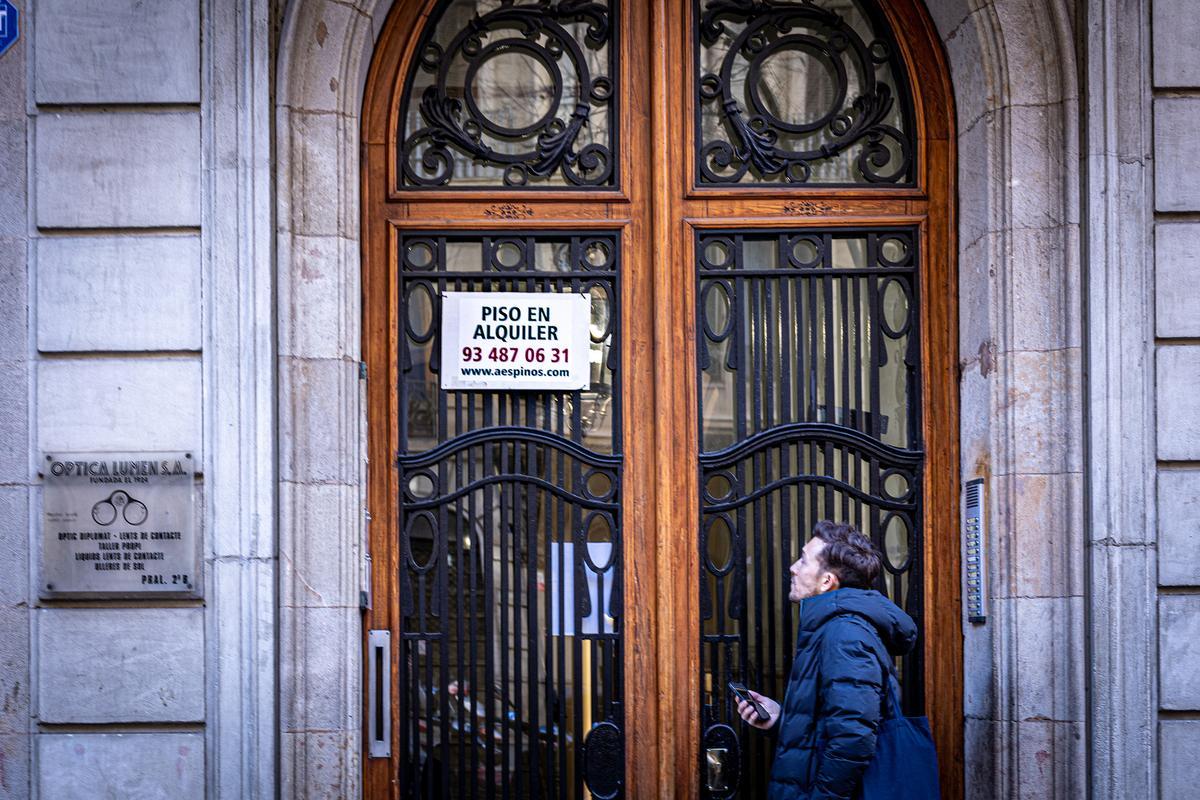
<point>974,545</point>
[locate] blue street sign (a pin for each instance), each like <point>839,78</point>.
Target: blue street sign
<point>8,26</point>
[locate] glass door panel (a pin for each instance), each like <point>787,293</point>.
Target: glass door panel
<point>808,360</point>
<point>511,653</point>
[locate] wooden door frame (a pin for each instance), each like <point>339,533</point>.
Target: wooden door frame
<point>658,355</point>
<point>386,206</point>
<point>932,206</point>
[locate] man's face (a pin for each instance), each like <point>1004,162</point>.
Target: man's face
<point>809,576</point>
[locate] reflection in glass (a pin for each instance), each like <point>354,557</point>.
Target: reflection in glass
<point>827,347</point>
<point>506,93</point>
<point>811,92</point>
<point>510,599</point>
<point>808,357</point>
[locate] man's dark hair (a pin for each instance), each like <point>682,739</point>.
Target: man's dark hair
<point>848,554</point>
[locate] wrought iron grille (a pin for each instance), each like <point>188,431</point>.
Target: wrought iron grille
<point>800,92</point>
<point>505,93</point>
<point>809,359</point>
<point>510,654</point>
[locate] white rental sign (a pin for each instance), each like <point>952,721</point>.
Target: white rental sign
<point>515,340</point>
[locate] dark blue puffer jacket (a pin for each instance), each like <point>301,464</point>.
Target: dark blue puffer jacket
<point>832,707</point>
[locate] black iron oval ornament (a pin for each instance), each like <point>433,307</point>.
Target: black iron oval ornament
<point>604,761</point>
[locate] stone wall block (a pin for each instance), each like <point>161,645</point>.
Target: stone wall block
<point>1178,385</point>
<point>319,167</point>
<point>119,403</point>
<point>14,301</point>
<point>979,671</point>
<point>87,766</point>
<point>1179,527</point>
<point>286,177</point>
<point>318,293</point>
<point>1050,760</point>
<point>349,215</point>
<point>14,422</point>
<point>241,652</point>
<point>315,174</point>
<point>1042,515</point>
<point>127,169</point>
<point>1176,44</point>
<point>14,670</point>
<point>1179,740</point>
<point>1050,667</point>
<point>1042,398</point>
<point>322,414</point>
<point>974,94</point>
<point>1038,71</point>
<point>1179,652</point>
<point>981,740</point>
<point>315,696</point>
<point>119,293</point>
<point>977,262</point>
<point>1177,279</point>
<point>978,213</point>
<point>1176,153</point>
<point>142,665</point>
<point>14,544</point>
<point>15,762</point>
<point>975,423</point>
<point>321,765</point>
<point>14,199</point>
<point>335,29</point>
<point>117,51</point>
<point>1038,168</point>
<point>1046,291</point>
<point>317,571</point>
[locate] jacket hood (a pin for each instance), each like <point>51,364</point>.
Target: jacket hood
<point>896,628</point>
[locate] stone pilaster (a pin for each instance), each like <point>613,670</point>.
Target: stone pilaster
<point>239,400</point>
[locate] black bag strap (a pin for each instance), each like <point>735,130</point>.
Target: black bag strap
<point>889,694</point>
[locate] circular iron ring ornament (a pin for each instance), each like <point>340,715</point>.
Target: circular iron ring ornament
<point>811,46</point>
<point>535,52</point>
<point>454,124</point>
<point>755,132</point>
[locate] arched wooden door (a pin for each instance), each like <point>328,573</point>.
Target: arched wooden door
<point>750,205</point>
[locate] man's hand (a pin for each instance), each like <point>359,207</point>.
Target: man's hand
<point>748,713</point>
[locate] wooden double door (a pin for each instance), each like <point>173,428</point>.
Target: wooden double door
<point>756,201</point>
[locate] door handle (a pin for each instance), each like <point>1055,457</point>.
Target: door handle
<point>379,692</point>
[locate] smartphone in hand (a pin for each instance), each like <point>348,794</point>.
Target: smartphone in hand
<point>742,693</point>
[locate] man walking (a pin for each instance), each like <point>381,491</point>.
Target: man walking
<point>848,633</point>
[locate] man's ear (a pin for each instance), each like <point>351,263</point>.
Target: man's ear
<point>829,581</point>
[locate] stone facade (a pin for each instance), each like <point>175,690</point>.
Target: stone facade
<point>1176,104</point>
<point>135,232</point>
<point>179,267</point>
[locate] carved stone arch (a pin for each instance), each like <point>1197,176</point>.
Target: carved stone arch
<point>1013,66</point>
<point>1013,69</point>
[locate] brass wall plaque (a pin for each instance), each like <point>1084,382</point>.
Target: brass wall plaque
<point>119,524</point>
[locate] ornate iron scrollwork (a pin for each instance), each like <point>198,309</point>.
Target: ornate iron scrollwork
<point>510,624</point>
<point>569,44</point>
<point>862,107</point>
